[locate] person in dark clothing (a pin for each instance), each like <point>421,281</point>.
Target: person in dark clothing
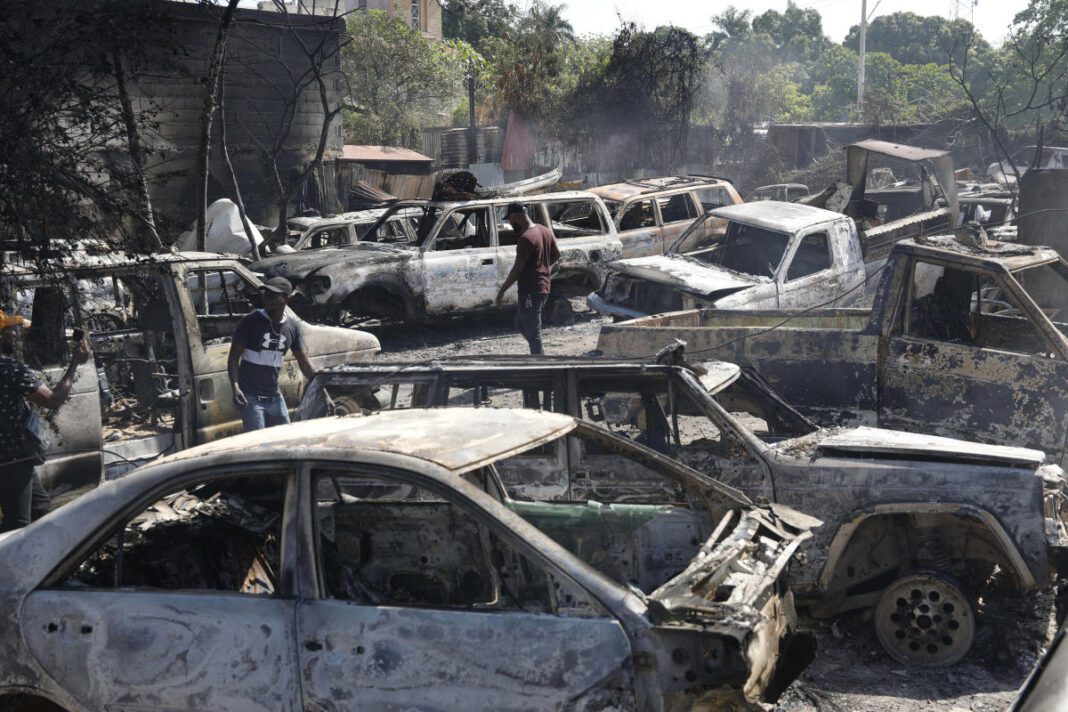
<point>22,498</point>
<point>259,345</point>
<point>535,254</point>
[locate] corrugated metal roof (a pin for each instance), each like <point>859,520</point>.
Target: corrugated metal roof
<point>352,152</point>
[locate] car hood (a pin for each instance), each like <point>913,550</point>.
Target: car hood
<point>303,262</point>
<point>876,442</point>
<point>685,274</point>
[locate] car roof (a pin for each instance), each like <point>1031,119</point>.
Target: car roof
<point>459,440</point>
<point>1010,255</point>
<point>776,215</point>
<point>643,186</point>
<point>717,374</point>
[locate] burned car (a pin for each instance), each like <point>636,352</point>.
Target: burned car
<point>461,255</point>
<point>908,520</point>
<point>651,213</point>
<point>376,563</point>
<point>773,254</point>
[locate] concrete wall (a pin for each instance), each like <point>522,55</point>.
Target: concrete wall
<point>265,55</point>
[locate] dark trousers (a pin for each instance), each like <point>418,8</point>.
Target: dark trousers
<point>22,498</point>
<point>528,319</point>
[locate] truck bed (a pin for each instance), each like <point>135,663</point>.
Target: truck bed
<point>819,359</point>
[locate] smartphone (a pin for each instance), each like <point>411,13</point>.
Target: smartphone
<point>77,336</point>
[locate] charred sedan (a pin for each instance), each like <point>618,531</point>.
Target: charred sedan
<point>376,563</point>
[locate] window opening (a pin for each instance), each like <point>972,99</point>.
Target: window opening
<point>217,535</point>
<point>813,255</point>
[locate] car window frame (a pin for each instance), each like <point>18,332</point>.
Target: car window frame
<point>430,244</point>
<point>826,232</point>
<point>156,491</point>
<point>315,588</point>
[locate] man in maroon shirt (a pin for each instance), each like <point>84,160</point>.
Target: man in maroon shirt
<point>535,253</point>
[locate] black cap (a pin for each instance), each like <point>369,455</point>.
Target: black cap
<point>281,285</point>
<point>515,208</point>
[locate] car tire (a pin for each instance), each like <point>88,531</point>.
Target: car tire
<point>925,619</point>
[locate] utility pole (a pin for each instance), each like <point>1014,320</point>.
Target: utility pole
<point>860,63</point>
<point>472,128</point>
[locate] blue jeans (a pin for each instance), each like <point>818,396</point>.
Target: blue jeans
<point>264,411</point>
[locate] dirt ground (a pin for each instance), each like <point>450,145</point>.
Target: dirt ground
<point>851,673</point>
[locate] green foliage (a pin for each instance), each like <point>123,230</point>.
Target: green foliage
<point>911,39</point>
<point>475,21</point>
<point>796,33</point>
<point>398,81</point>
<point>530,61</point>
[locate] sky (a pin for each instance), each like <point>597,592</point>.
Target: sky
<point>992,17</point>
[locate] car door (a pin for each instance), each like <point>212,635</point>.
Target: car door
<point>231,295</point>
<point>676,213</point>
<point>73,461</point>
<point>964,360</point>
<point>193,616</point>
<point>638,229</point>
<point>808,275</point>
<point>428,605</point>
<point>460,263</point>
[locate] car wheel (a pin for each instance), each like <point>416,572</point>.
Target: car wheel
<point>925,619</point>
<point>559,312</point>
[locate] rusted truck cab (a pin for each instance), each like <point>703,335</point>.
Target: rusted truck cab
<point>159,327</point>
<point>964,339</point>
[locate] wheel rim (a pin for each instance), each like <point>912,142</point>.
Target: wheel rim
<point>925,619</point>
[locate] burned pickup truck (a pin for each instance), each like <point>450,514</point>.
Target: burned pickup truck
<point>772,255</point>
<point>461,255</point>
<point>900,512</point>
<point>966,338</point>
<point>332,565</point>
<point>159,327</point>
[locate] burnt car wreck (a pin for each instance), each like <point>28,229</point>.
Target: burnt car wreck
<point>355,569</point>
<point>899,511</point>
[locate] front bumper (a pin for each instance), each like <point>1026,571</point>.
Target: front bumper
<point>602,306</point>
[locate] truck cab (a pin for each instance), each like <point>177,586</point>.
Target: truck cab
<point>773,255</point>
<point>159,327</point>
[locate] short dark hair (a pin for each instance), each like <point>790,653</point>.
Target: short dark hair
<point>515,208</point>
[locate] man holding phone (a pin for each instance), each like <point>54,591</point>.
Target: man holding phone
<point>22,498</point>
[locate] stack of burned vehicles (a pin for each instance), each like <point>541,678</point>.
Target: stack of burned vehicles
<point>159,328</point>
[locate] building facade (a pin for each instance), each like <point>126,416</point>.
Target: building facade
<point>423,15</point>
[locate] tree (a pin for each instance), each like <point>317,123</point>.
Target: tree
<point>796,33</point>
<point>1027,82</point>
<point>911,39</point>
<point>474,21</point>
<point>397,81</point>
<point>529,62</point>
<point>67,136</point>
<point>299,65</point>
<point>648,85</point>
